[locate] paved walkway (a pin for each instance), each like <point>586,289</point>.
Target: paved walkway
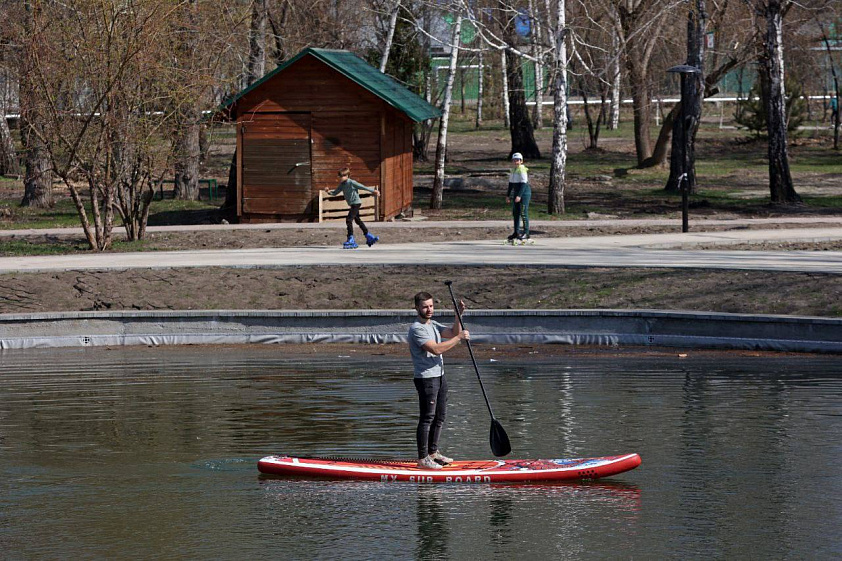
<point>696,224</point>
<point>649,250</point>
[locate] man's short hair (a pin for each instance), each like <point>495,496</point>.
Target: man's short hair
<point>422,297</point>
<point>346,171</point>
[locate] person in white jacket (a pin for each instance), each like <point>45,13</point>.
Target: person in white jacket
<point>519,194</point>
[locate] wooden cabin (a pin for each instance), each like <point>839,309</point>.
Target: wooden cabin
<point>315,114</point>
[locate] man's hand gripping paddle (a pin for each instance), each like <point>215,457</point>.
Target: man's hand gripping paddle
<point>498,438</point>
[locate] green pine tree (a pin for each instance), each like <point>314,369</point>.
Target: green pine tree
<point>751,113</point>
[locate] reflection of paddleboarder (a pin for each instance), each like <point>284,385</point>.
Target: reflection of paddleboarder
<point>428,339</point>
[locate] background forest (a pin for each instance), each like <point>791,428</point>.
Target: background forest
<point>108,100</point>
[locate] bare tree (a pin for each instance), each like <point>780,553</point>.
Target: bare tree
<point>188,151</point>
<point>736,51</point>
<point>441,144</point>
<point>422,132</point>
<point>106,107</point>
<point>277,19</point>
<point>390,34</point>
<point>257,40</point>
<point>520,125</point>
<point>256,57</point>
<point>639,26</point>
<point>480,86</point>
<point>38,177</point>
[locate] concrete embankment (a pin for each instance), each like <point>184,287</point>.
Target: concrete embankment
<point>573,327</point>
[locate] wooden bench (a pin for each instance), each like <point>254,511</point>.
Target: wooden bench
<point>334,208</point>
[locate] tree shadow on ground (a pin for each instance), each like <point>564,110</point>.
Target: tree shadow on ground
<point>186,217</point>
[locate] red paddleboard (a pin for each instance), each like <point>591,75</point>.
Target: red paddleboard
<point>485,471</point>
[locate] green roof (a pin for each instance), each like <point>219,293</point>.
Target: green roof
<point>353,67</point>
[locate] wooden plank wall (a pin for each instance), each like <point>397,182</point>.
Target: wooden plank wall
<point>334,208</point>
<point>273,145</point>
<point>397,160</point>
<point>345,131</point>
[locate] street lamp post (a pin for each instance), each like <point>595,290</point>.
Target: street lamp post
<point>681,132</point>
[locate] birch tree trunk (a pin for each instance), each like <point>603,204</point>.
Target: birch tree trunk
<point>780,178</point>
<point>390,35</point>
<point>555,196</point>
<point>505,77</point>
<point>537,110</point>
<point>441,144</point>
<point>480,80</point>
<point>616,76</point>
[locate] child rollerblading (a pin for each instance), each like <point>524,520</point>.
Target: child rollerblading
<point>350,190</point>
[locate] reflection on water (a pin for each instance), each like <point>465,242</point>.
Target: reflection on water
<point>151,452</point>
<point>432,524</point>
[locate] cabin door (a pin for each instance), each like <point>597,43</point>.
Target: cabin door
<point>275,166</point>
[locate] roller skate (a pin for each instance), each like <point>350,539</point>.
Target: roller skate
<point>524,239</point>
<point>371,239</point>
<point>350,244</point>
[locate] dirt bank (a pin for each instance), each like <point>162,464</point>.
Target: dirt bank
<point>382,287</point>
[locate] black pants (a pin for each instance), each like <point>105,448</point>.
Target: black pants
<point>432,403</point>
<point>354,216</point>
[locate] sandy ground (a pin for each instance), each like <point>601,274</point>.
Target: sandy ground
<point>384,287</point>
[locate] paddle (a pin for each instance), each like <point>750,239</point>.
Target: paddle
<point>498,438</point>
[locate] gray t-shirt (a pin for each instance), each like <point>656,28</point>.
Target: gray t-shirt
<point>427,365</point>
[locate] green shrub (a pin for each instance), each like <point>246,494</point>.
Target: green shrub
<point>751,113</point>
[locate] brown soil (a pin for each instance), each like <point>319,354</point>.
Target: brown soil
<point>382,287</point>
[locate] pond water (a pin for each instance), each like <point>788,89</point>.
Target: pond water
<point>152,452</point>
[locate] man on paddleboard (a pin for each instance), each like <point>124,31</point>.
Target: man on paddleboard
<point>428,340</point>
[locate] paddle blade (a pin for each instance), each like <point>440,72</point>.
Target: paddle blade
<point>499,439</point>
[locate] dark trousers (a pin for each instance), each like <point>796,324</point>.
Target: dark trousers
<point>520,211</point>
<point>354,216</point>
<point>432,405</point>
